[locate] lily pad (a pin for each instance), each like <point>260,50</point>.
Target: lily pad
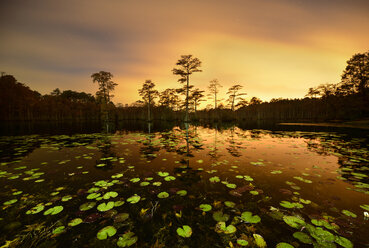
<point>184,231</point>
<point>221,227</point>
<point>249,218</point>
<point>294,221</point>
<point>344,242</point>
<point>53,211</point>
<point>349,213</point>
<point>106,232</point>
<point>242,242</point>
<point>181,192</point>
<point>205,207</point>
<point>59,230</point>
<point>284,245</point>
<point>105,206</point>
<point>163,194</point>
<point>214,179</point>
<point>87,206</point>
<point>259,240</point>
<point>36,209</point>
<point>163,174</point>
<point>127,239</point>
<point>75,222</point>
<point>111,194</point>
<point>10,202</point>
<point>303,237</point>
<point>169,178</point>
<point>134,199</point>
<point>230,204</point>
<point>219,216</point>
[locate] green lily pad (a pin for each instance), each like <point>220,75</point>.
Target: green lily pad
<point>214,179</point>
<point>288,204</point>
<point>111,194</point>
<point>118,203</point>
<point>36,209</point>
<point>249,218</point>
<point>93,196</point>
<point>349,213</point>
<point>156,184</point>
<point>242,242</point>
<point>53,211</point>
<point>294,221</point>
<point>284,245</point>
<point>106,232</point>
<point>66,198</point>
<point>135,180</point>
<point>259,240</point>
<point>321,235</point>
<point>10,202</point>
<point>219,216</point>
<point>163,194</point>
<point>169,178</point>
<point>365,207</point>
<point>181,192</point>
<point>344,242</point>
<point>254,192</point>
<point>303,237</point>
<point>230,204</point>
<point>205,207</point>
<point>87,206</point>
<point>105,206</point>
<point>127,239</point>
<point>75,222</point>
<point>221,227</point>
<point>163,174</point>
<point>134,199</point>
<point>231,185</point>
<point>143,184</point>
<point>59,229</point>
<point>184,231</point>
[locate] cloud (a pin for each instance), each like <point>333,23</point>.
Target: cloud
<point>276,48</point>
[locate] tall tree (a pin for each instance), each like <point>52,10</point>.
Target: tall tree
<point>148,94</point>
<point>234,94</point>
<point>106,85</point>
<point>355,77</point>
<point>214,90</point>
<point>186,66</point>
<point>197,96</point>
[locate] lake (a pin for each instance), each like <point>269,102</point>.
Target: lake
<point>191,186</point>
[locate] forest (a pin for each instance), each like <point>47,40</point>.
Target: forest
<point>342,101</point>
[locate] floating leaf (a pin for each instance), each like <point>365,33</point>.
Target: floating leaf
<point>284,245</point>
<point>135,180</point>
<point>10,202</point>
<point>365,207</point>
<point>181,192</point>
<point>59,229</point>
<point>127,239</point>
<point>169,178</point>
<point>36,209</point>
<point>143,184</point>
<point>53,211</point>
<point>75,222</point>
<point>163,174</point>
<point>184,231</point>
<point>242,242</point>
<point>163,194</point>
<point>205,207</point>
<point>106,232</point>
<point>214,179</point>
<point>259,240</point>
<point>294,221</point>
<point>111,194</point>
<point>303,237</point>
<point>87,206</point>
<point>220,217</point>
<point>105,206</point>
<point>134,199</point>
<point>231,185</point>
<point>344,242</point>
<point>222,227</point>
<point>349,213</point>
<point>93,196</point>
<point>249,218</point>
<point>230,204</point>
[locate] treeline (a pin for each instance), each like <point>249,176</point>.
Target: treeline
<point>19,103</point>
<point>346,100</point>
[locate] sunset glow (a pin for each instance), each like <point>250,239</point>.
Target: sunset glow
<point>277,49</point>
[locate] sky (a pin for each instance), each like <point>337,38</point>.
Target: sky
<point>273,49</point>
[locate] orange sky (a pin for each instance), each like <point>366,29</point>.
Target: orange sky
<point>273,48</point>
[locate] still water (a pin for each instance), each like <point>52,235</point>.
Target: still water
<point>185,187</point>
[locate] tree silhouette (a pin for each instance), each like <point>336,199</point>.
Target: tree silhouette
<point>214,90</point>
<point>169,98</point>
<point>355,77</point>
<point>197,97</point>
<point>254,100</point>
<point>148,94</point>
<point>187,65</point>
<point>106,85</point>
<point>234,94</point>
